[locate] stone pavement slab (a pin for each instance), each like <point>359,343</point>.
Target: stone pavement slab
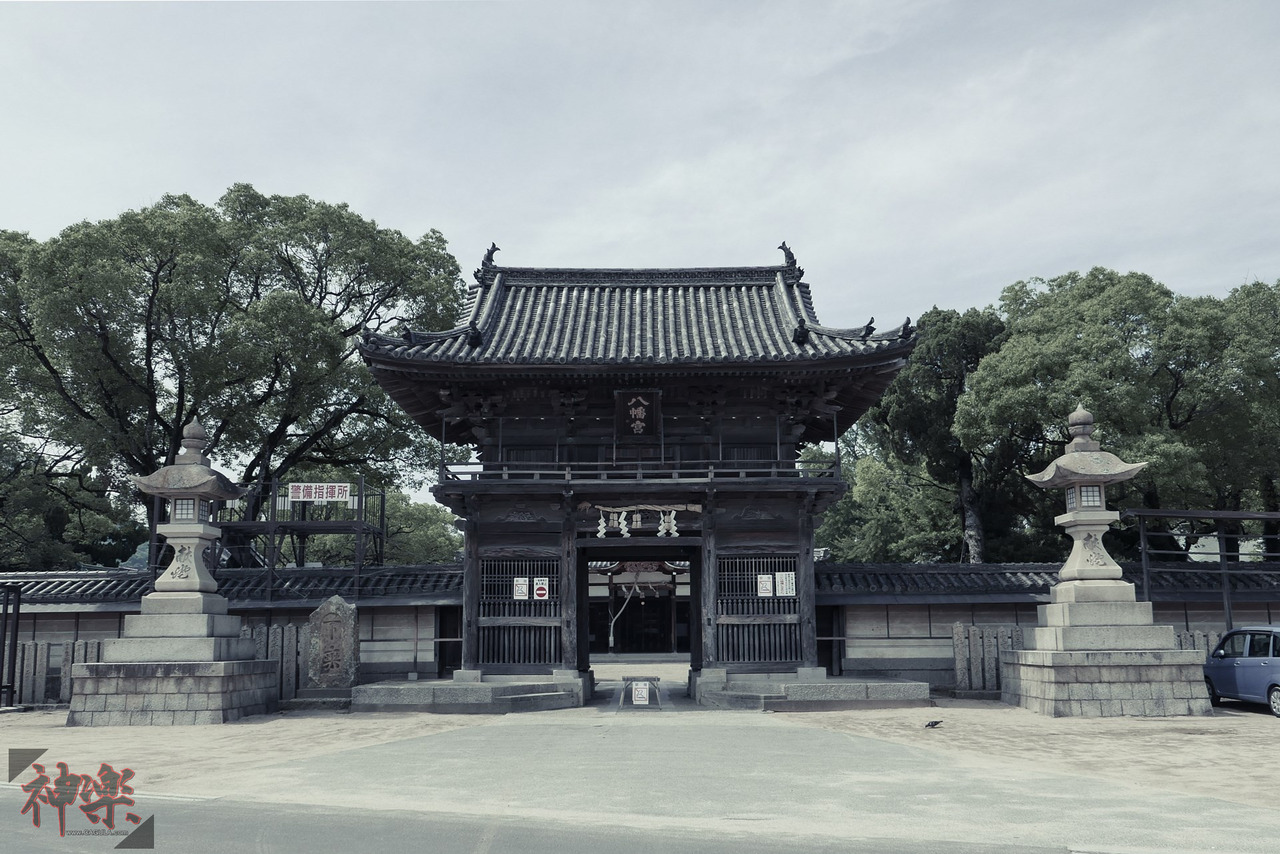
<point>989,775</point>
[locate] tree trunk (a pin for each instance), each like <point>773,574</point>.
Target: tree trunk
<point>1162,544</point>
<point>1270,527</point>
<point>974,540</point>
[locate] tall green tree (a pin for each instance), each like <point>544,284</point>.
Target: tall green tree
<point>893,513</point>
<point>55,513</point>
<point>245,314</point>
<point>913,418</point>
<point>1161,372</point>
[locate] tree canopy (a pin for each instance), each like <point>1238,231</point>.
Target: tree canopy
<point>1186,383</point>
<point>245,314</point>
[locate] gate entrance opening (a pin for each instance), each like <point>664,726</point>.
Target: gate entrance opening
<point>639,607</point>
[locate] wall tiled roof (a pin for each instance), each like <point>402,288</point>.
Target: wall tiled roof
<point>247,588</point>
<point>844,582</point>
<point>837,583</point>
<point>838,580</point>
<point>682,317</point>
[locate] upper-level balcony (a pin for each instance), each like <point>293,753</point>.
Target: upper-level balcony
<point>646,476</point>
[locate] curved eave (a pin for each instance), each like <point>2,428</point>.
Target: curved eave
<point>405,366</point>
<point>420,358</point>
<point>415,384</point>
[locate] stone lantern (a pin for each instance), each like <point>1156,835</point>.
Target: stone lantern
<point>183,659</point>
<point>191,487</point>
<point>1083,473</point>
<point>1096,651</point>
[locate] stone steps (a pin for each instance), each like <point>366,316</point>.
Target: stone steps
<point>499,696</point>
<point>540,702</point>
<point>781,694</point>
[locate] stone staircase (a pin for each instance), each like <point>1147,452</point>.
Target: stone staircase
<point>492,694</point>
<point>806,689</point>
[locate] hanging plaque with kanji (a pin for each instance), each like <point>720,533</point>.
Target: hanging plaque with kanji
<point>638,415</point>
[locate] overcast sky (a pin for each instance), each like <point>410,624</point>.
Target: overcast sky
<point>911,153</point>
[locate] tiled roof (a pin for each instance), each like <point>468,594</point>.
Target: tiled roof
<point>247,588</point>
<point>848,582</point>
<point>836,583</point>
<point>682,317</point>
<point>853,581</point>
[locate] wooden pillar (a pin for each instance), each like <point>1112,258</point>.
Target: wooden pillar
<point>710,587</point>
<point>471,591</point>
<point>568,587</point>
<point>805,581</point>
<point>695,609</point>
<point>584,613</point>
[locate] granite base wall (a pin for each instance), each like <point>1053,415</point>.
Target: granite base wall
<point>1140,683</point>
<point>172,693</point>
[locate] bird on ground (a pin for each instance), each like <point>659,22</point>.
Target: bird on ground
<point>933,724</point>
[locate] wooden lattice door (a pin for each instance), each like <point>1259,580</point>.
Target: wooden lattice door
<point>757,610</point>
<point>519,612</point>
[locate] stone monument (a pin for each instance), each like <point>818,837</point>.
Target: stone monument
<point>1096,652</point>
<point>332,654</point>
<point>182,660</point>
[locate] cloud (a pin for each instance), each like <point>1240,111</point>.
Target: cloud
<point>911,153</point>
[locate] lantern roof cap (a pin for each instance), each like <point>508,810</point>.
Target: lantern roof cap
<point>1084,461</point>
<point>190,475</point>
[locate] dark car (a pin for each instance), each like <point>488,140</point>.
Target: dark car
<point>1245,665</point>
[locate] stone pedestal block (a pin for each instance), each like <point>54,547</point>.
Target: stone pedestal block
<point>146,649</point>
<point>1096,614</point>
<point>181,626</point>
<point>167,694</point>
<point>1105,683</point>
<point>189,602</point>
<point>1097,654</point>
<point>1070,638</point>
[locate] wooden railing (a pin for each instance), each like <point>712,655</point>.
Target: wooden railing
<point>701,471</point>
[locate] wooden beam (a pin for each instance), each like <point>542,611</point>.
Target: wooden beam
<point>757,619</point>
<point>518,621</point>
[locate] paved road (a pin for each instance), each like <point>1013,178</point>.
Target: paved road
<point>673,780</point>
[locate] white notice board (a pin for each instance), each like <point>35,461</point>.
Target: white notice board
<point>785,583</point>
<point>764,585</point>
<point>640,693</point>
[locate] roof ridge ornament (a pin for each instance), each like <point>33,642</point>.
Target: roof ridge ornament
<point>867,330</point>
<point>801,335</point>
<point>485,264</point>
<point>790,262</point>
<point>787,254</point>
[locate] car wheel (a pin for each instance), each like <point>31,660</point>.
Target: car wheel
<point>1273,700</point>
<point>1214,699</point>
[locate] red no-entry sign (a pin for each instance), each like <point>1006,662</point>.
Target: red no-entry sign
<point>541,588</point>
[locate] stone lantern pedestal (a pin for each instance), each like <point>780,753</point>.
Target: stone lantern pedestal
<point>1096,652</point>
<point>182,660</point>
